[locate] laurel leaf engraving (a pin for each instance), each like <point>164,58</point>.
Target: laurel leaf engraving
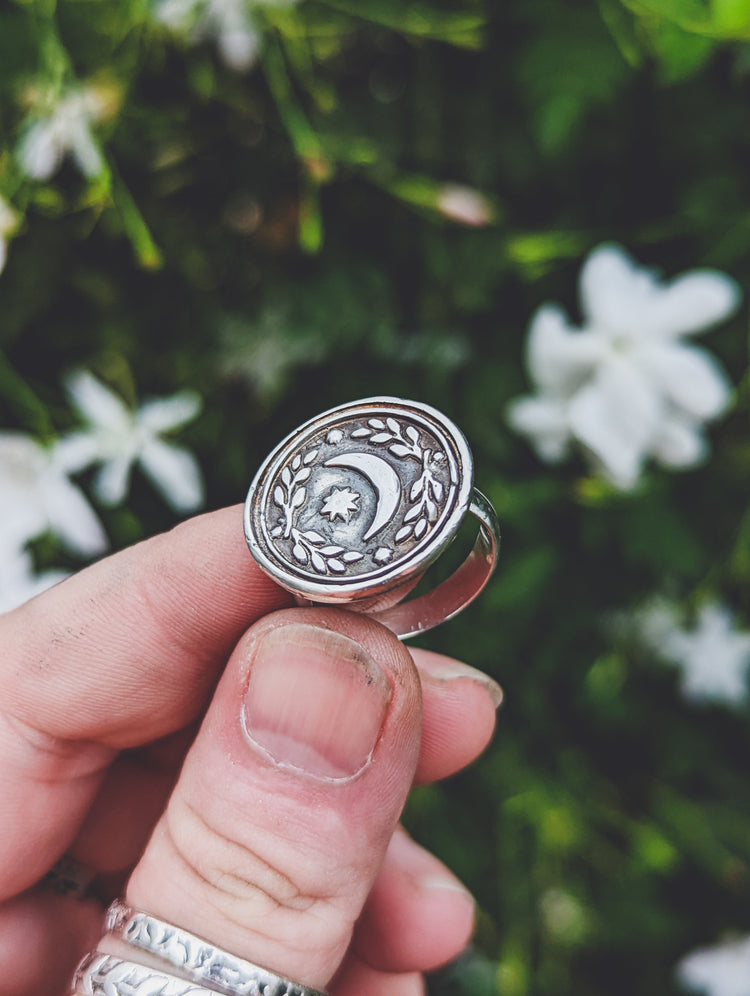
<point>402,534</point>
<point>297,462</point>
<point>278,495</point>
<point>437,490</point>
<point>419,529</point>
<point>413,513</point>
<point>381,437</point>
<point>312,537</point>
<point>300,553</point>
<point>393,426</point>
<point>376,423</point>
<point>298,498</point>
<point>412,433</point>
<point>310,457</point>
<point>431,509</point>
<point>336,565</point>
<point>361,433</point>
<point>399,450</point>
<point>318,563</point>
<point>276,532</point>
<point>303,475</point>
<point>416,489</point>
<point>351,556</point>
<point>286,477</point>
<point>332,551</point>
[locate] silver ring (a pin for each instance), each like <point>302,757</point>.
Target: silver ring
<point>353,506</point>
<point>196,959</point>
<point>102,974</point>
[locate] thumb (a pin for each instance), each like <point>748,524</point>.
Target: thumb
<point>290,794</point>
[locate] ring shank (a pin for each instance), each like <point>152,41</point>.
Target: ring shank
<point>451,596</point>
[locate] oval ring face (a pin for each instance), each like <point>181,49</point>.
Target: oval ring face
<point>359,499</point>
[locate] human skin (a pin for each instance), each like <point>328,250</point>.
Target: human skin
<point>167,720</point>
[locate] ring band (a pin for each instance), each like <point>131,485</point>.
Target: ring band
<point>195,959</point>
<point>102,974</point>
<point>452,595</point>
<point>353,506</point>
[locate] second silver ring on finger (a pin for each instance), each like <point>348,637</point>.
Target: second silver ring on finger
<point>192,965</point>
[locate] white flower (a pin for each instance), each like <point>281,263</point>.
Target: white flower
<point>723,970</point>
<point>229,22</point>
<point>64,129</point>
<point>626,385</point>
<point>19,583</point>
<point>36,496</point>
<point>8,222</point>
<point>713,657</point>
<point>118,438</point>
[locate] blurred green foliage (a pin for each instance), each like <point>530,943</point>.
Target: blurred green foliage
<point>276,241</point>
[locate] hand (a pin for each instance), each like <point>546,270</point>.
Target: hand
<point>272,831</point>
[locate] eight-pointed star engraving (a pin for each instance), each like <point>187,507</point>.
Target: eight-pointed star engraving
<point>340,504</point>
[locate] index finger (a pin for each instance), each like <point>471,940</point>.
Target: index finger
<point>129,649</point>
<point>121,654</point>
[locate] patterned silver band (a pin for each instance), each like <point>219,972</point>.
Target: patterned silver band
<point>102,974</point>
<point>195,959</point>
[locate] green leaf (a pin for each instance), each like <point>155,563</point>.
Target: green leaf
<point>418,19</point>
<point>719,19</point>
<point>623,27</point>
<point>680,53</point>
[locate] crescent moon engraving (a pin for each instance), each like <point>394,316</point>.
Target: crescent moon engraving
<point>382,477</point>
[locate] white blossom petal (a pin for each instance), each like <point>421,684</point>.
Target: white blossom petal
<point>694,302</point>
<point>239,48</point>
<point>679,442</point>
<point>620,296</point>
<point>175,472</point>
<point>714,658</point>
<point>39,152</point>
<point>615,417</point>
<point>66,128</point>
<point>689,377</point>
<point>545,421</point>
<point>655,623</point>
<point>176,14</point>
<point>559,357</point>
<point>75,451</point>
<point>23,515</point>
<point>74,521</point>
<point>163,414</point>
<point>723,970</point>
<point>111,483</point>
<point>96,403</point>
<point>83,147</point>
<point>612,288</point>
<point>18,582</point>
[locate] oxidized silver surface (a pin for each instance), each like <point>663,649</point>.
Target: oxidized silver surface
<point>199,961</point>
<point>359,500</point>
